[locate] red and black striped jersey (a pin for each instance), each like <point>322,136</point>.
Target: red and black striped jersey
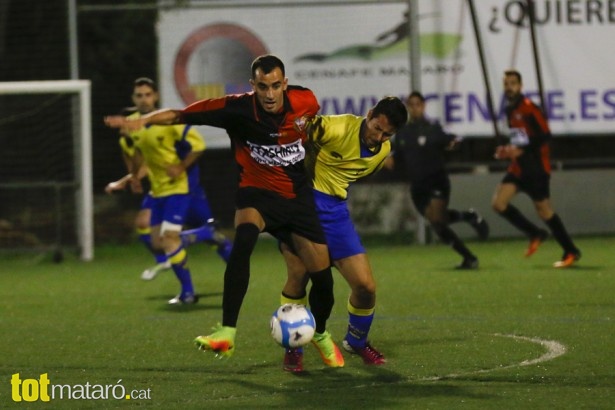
<point>530,131</point>
<point>268,148</point>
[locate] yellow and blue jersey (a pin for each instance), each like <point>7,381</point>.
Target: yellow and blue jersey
<point>127,145</point>
<point>336,156</point>
<point>162,146</point>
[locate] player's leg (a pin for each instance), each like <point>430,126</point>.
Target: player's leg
<point>348,255</point>
<point>142,226</point>
<point>201,218</point>
<point>558,230</point>
<point>169,215</point>
<point>361,307</point>
<point>500,202</point>
<point>249,223</point>
<point>294,292</point>
<point>179,263</point>
<point>436,213</point>
<point>472,217</point>
<point>315,257</point>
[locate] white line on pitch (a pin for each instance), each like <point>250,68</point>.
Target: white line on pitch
<point>554,349</point>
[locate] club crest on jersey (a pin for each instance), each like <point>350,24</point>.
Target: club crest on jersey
<point>300,123</point>
<point>422,140</point>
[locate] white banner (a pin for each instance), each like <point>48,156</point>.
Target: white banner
<point>352,55</point>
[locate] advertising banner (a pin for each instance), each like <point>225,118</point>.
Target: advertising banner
<point>351,55</point>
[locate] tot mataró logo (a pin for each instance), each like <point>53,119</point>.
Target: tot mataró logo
<point>29,390</point>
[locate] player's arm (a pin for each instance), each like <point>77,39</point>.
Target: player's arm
<point>139,170</point>
<point>127,153</point>
<point>509,151</point>
<point>160,117</point>
<point>175,170</point>
<point>446,140</point>
<point>389,162</point>
<point>118,185</point>
<point>538,123</point>
<point>191,138</point>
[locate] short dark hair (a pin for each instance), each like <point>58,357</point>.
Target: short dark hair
<point>393,109</point>
<point>416,94</point>
<point>146,81</point>
<point>514,73</point>
<point>267,63</point>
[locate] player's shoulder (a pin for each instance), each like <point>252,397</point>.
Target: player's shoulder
<point>527,104</point>
<point>341,124</point>
<point>297,92</point>
<point>301,101</point>
<point>298,89</point>
<point>346,120</point>
<point>429,121</point>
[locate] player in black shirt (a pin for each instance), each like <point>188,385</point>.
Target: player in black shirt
<point>419,148</point>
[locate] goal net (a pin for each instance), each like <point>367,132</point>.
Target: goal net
<point>46,200</point>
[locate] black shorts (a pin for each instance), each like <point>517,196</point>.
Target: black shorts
<point>283,216</point>
<point>536,186</point>
<point>435,187</point>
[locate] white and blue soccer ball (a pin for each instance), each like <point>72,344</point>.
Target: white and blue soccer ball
<point>292,325</point>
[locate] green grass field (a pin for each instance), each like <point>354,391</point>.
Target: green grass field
<point>517,333</point>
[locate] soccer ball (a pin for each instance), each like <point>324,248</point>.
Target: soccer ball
<point>292,325</point>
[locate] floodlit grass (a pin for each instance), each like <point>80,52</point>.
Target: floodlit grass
<point>448,335</point>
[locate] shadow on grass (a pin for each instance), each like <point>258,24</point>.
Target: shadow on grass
<point>376,387</point>
<point>199,306</point>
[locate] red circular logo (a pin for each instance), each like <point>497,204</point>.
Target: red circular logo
<point>215,61</point>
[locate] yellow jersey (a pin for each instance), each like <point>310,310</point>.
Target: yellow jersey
<point>159,146</point>
<point>336,157</point>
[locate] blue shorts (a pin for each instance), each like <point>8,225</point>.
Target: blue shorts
<point>147,201</point>
<point>172,209</point>
<point>199,211</point>
<point>342,238</point>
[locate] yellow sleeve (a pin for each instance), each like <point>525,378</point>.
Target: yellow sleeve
<point>191,135</point>
<point>195,139</point>
<point>127,146</point>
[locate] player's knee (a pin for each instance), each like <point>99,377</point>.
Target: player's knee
<point>498,206</point>
<point>141,223</point>
<point>438,226</point>
<point>142,220</point>
<point>365,291</point>
<point>246,236</point>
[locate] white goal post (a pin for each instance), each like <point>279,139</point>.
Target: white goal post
<point>82,154</point>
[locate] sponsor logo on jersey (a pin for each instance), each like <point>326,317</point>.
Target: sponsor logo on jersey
<point>277,155</point>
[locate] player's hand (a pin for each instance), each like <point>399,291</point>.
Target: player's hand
<point>507,152</point>
<point>135,185</point>
<point>114,121</point>
<point>175,170</point>
<point>454,144</point>
<point>126,125</point>
<point>114,186</point>
<point>389,163</point>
